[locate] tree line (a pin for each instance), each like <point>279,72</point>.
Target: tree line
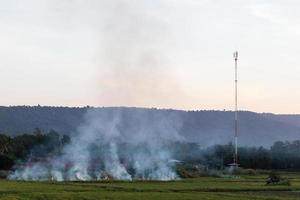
<point>281,155</point>
<point>19,148</point>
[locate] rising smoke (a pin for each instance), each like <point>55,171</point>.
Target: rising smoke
<point>131,58</point>
<point>135,55</point>
<point>101,150</point>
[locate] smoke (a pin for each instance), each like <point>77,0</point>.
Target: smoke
<point>136,45</point>
<point>134,41</point>
<point>102,150</point>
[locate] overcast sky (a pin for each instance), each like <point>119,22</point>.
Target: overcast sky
<point>151,53</point>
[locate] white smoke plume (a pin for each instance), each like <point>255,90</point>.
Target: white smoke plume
<point>133,42</point>
<point>108,148</point>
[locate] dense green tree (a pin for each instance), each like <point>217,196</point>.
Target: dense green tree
<point>37,144</point>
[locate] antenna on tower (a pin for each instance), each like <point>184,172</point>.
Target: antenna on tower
<point>235,156</point>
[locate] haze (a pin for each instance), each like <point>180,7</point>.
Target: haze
<point>151,53</point>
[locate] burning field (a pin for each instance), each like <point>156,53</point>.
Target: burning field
<point>102,150</point>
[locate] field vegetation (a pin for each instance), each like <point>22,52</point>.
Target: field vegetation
<point>240,187</point>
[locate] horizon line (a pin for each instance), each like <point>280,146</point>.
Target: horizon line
<point>149,108</point>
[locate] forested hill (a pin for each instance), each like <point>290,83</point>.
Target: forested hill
<point>205,127</point>
<point>17,120</point>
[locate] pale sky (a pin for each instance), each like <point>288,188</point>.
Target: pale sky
<point>151,53</point>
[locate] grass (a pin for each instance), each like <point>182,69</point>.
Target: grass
<point>206,188</point>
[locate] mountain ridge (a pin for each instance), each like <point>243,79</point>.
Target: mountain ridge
<point>207,127</point>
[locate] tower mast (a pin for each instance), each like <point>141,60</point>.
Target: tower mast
<point>235,158</point>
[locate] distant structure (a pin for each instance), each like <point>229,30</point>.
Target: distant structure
<point>235,164</point>
<point>235,157</point>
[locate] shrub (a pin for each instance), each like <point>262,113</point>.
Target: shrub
<point>184,173</point>
<point>251,172</point>
<point>275,179</point>
<point>3,174</point>
<point>195,171</point>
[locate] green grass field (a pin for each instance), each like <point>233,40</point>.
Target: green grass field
<point>244,187</point>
